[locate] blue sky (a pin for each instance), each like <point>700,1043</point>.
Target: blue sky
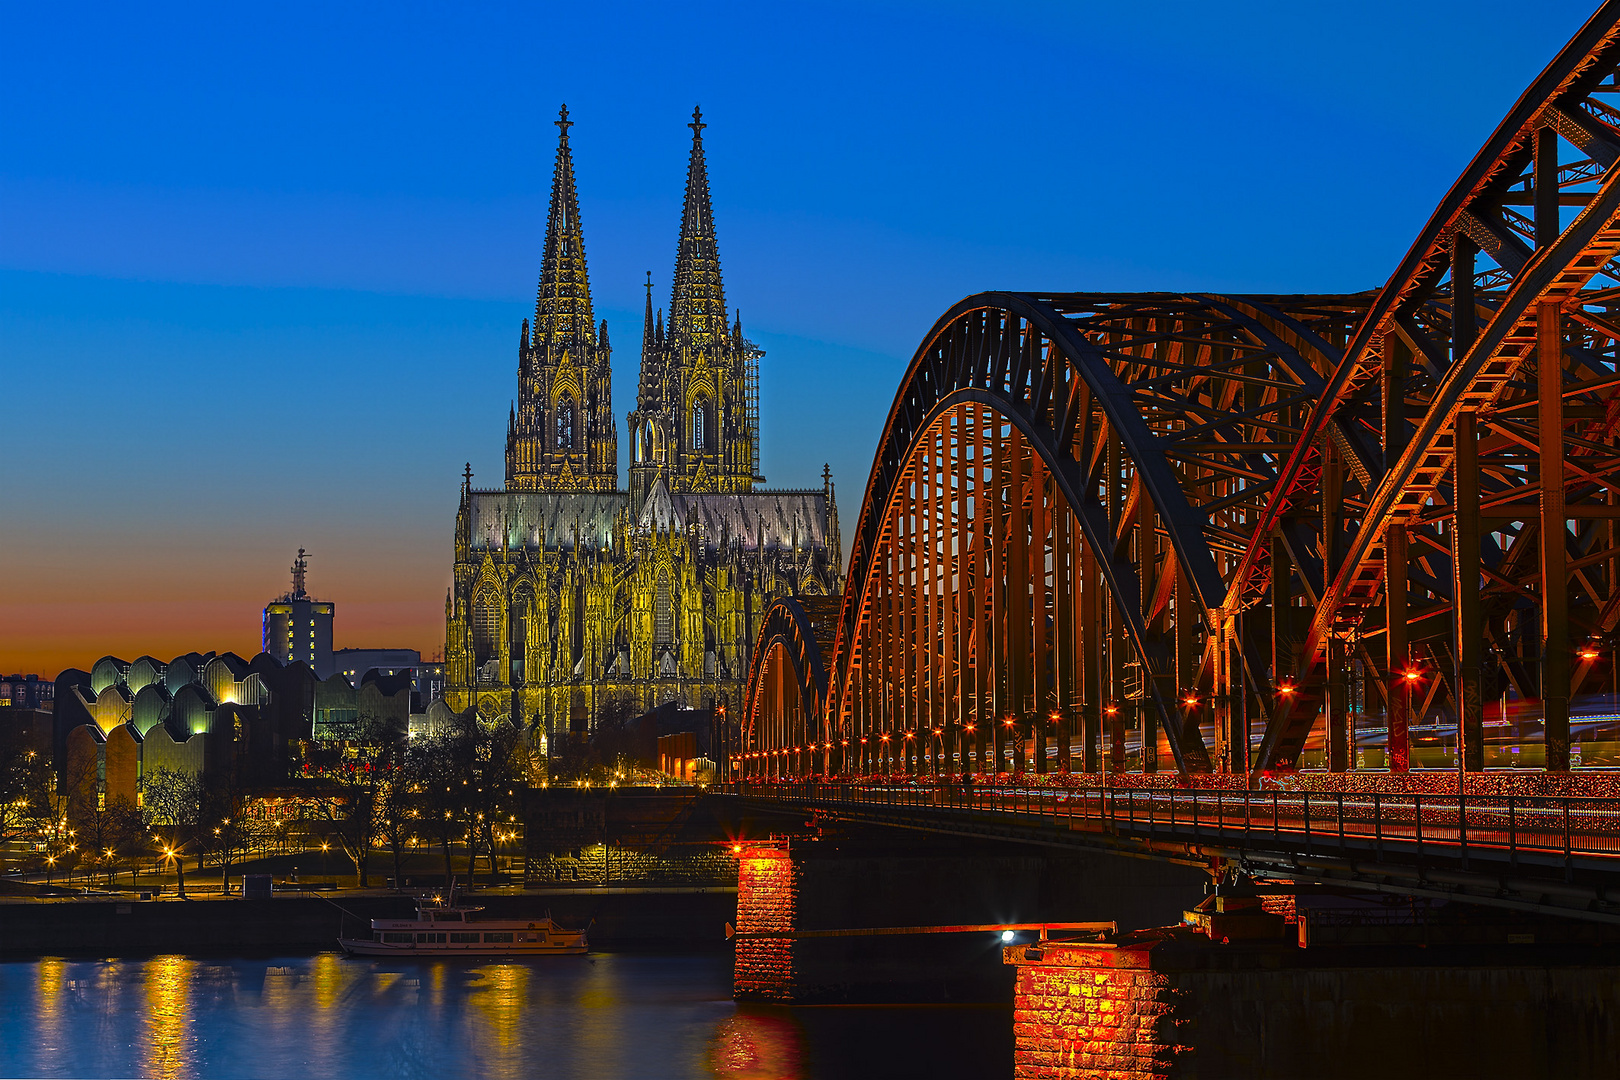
<point>262,269</point>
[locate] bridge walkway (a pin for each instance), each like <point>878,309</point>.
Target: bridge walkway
<point>1541,853</point>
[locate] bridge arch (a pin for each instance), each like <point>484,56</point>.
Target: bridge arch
<point>784,729</point>
<point>1142,431</point>
<point>1216,513</point>
<point>1518,261</point>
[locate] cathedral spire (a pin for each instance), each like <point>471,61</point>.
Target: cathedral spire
<point>651,332</point>
<point>562,306</point>
<point>649,342</point>
<point>697,303</point>
<point>564,436</point>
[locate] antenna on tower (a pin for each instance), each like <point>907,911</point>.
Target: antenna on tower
<point>300,567</point>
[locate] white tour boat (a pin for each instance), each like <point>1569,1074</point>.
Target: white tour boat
<point>442,929</point>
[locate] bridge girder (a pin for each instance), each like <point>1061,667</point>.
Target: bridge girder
<point>1259,468</point>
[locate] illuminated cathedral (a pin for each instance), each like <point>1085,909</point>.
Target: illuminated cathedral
<point>569,591</point>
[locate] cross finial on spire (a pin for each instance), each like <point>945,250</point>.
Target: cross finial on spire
<point>466,476</point>
<point>697,125</point>
<point>562,121</point>
<point>649,286</point>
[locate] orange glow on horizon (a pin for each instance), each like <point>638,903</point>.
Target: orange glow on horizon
<point>47,636</point>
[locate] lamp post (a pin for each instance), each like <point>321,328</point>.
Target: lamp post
<point>1411,677</point>
<point>172,855</point>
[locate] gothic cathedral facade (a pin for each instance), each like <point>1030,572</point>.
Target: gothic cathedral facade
<point>570,592</point>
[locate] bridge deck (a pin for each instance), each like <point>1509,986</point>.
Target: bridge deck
<point>1556,854</point>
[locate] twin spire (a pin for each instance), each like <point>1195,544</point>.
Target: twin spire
<point>696,414</point>
<point>562,307</point>
<point>697,303</point>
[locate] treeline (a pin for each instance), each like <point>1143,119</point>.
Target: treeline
<point>459,791</point>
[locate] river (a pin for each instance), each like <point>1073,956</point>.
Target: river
<point>600,1016</point>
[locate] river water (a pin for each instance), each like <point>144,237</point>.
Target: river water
<point>600,1016</point>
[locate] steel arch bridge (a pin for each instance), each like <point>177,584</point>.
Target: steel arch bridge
<point>1116,532</point>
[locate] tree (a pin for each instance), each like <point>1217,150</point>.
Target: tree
<point>172,812</point>
<point>441,771</point>
<point>353,777</point>
<point>232,825</point>
<point>25,786</point>
<point>609,748</point>
<point>494,797</point>
<point>398,808</point>
<point>469,782</point>
<point>108,831</point>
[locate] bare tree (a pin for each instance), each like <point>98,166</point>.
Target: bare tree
<point>172,805</point>
<point>25,787</point>
<point>232,824</point>
<point>107,831</point>
<point>398,810</point>
<point>353,778</point>
<point>441,772</point>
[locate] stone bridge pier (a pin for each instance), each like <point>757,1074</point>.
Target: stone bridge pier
<point>903,879</point>
<point>1174,1004</point>
<point>1192,985</point>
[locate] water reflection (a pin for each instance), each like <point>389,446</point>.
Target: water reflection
<point>758,1046</point>
<point>48,990</point>
<point>499,995</point>
<point>600,1016</point>
<point>166,1048</point>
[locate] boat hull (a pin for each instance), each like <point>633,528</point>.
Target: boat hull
<point>367,947</point>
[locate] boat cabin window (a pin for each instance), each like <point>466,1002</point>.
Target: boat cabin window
<point>503,938</point>
<point>464,939</point>
<point>430,939</point>
<point>397,939</point>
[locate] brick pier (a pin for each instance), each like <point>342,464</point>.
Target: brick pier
<point>1084,1010</point>
<point>767,899</point>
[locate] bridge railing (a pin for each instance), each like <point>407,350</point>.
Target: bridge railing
<point>1545,829</point>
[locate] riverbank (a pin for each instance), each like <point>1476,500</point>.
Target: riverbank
<point>633,919</point>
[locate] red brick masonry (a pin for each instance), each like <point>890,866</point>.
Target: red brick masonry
<point>1091,1011</point>
<point>767,899</point>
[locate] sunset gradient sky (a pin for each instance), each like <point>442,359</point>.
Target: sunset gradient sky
<point>262,268</point>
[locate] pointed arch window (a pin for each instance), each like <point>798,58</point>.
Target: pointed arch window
<point>519,638</point>
<point>485,628</point>
<point>565,423</point>
<point>663,615</point>
<point>701,427</point>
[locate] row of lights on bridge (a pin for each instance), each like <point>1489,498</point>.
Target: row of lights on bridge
<point>1411,676</point>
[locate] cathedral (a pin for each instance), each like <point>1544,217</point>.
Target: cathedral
<point>570,592</point>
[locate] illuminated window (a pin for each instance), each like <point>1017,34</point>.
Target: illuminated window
<point>700,424</point>
<point>663,617</point>
<point>486,629</point>
<point>565,423</point>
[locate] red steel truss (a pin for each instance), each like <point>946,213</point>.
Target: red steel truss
<point>1126,532</point>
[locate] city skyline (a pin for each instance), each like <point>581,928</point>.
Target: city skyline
<point>240,319</point>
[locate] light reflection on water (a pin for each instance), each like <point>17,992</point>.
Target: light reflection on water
<point>166,1047</point>
<point>606,1015</point>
